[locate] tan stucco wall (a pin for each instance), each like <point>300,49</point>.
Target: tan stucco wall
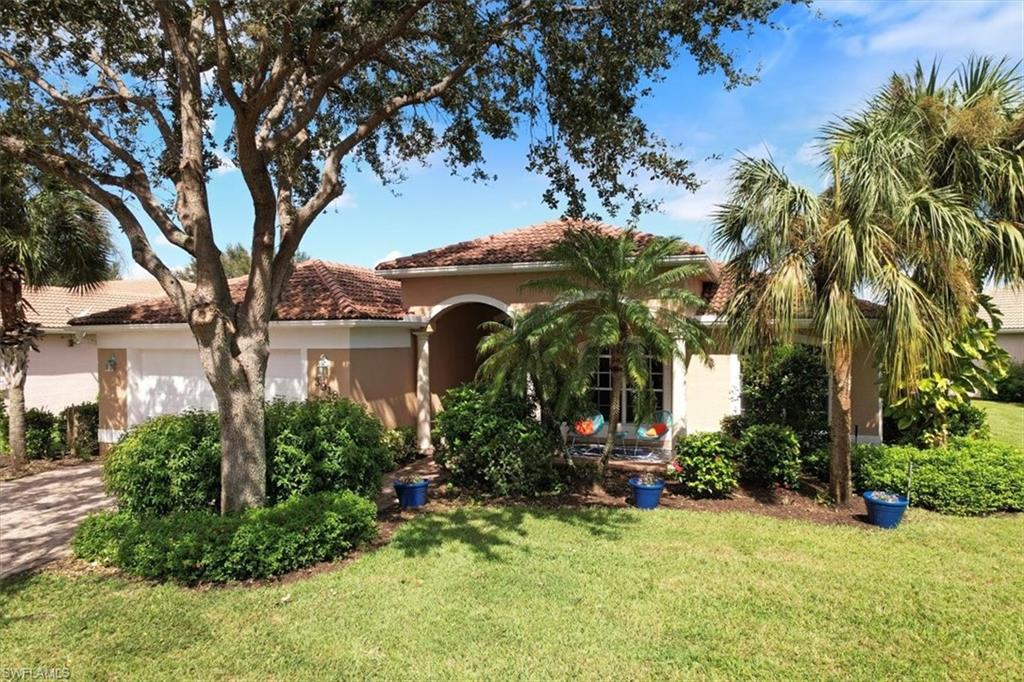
<point>381,378</point>
<point>709,392</point>
<point>113,393</point>
<point>1012,343</point>
<point>864,394</point>
<point>453,346</point>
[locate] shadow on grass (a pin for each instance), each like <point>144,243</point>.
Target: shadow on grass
<point>485,530</point>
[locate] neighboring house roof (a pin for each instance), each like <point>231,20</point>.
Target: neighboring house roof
<point>53,307</point>
<point>718,293</point>
<point>1010,302</point>
<point>317,290</point>
<point>523,245</point>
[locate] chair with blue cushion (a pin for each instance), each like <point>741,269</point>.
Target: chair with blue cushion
<point>654,431</point>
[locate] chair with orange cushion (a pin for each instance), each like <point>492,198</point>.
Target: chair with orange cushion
<point>655,430</point>
<point>584,428</point>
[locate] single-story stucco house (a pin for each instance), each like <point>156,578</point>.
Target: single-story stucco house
<point>63,372</point>
<point>1010,336</point>
<point>396,338</point>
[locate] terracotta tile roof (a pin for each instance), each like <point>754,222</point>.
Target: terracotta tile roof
<point>53,307</point>
<point>1010,303</point>
<point>717,293</point>
<point>317,290</point>
<point>523,245</point>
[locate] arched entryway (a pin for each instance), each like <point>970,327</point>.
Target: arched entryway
<point>446,352</point>
<point>455,335</point>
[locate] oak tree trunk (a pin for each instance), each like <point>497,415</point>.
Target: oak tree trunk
<point>842,426</point>
<point>243,462</point>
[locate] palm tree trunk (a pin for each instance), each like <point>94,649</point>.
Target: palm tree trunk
<point>15,359</point>
<point>615,412</point>
<point>842,426</point>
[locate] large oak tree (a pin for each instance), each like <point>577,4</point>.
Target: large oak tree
<point>119,99</point>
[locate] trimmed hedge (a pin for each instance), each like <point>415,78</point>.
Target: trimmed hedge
<point>770,455</point>
<point>172,463</point>
<point>494,445</point>
<point>199,546</point>
<point>966,477</point>
<point>704,464</point>
<point>43,438</point>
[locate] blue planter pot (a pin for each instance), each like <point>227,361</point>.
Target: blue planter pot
<point>411,494</point>
<point>882,513</point>
<point>646,496</point>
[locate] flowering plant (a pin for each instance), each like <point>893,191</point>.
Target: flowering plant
<point>411,479</point>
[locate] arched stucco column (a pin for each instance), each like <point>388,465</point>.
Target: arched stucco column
<point>423,441</point>
<point>679,390</point>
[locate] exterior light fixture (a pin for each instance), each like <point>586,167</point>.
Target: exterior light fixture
<point>111,363</point>
<point>323,372</point>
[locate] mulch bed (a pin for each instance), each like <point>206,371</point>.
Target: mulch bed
<point>37,466</point>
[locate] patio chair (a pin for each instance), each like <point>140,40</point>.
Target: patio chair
<point>654,431</point>
<point>587,427</point>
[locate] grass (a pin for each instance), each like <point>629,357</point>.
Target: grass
<point>526,593</point>
<point>1006,420</point>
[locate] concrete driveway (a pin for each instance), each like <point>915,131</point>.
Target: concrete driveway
<point>39,514</point>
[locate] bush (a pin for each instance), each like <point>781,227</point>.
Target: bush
<point>966,477</point>
<point>172,463</point>
<point>85,418</point>
<point>704,464</point>
<point>200,546</point>
<point>787,386</point>
<point>401,443</point>
<point>770,455</point>
<point>42,436</point>
<point>494,445</point>
<point>318,445</point>
<point>1010,389</point>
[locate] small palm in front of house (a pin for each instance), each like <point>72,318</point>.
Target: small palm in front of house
<point>50,236</point>
<point>620,295</point>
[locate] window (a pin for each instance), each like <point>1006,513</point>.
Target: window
<point>601,390</point>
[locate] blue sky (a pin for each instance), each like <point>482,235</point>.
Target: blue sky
<point>813,70</point>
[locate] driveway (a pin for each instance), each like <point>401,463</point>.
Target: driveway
<point>39,514</point>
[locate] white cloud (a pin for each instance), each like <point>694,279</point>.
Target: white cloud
<point>390,255</point>
<point>136,271</point>
<point>346,200</point>
<point>701,205</point>
<point>932,26</point>
<point>226,164</point>
<point>808,154</point>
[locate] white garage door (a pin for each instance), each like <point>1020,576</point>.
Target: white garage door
<point>171,381</point>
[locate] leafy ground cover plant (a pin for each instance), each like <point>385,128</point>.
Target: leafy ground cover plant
<point>200,546</point>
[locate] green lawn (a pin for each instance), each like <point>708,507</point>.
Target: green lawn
<point>1006,421</point>
<point>532,594</point>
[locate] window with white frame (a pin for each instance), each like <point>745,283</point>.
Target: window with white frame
<point>601,390</point>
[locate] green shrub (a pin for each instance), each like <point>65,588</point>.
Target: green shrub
<point>200,546</point>
<point>788,386</point>
<point>43,439</point>
<point>86,437</point>
<point>1010,389</point>
<point>704,464</point>
<point>172,463</point>
<point>494,445</point>
<point>770,455</point>
<point>5,424</point>
<point>965,477</point>
<point>169,463</point>
<point>330,444</point>
<point>401,443</point>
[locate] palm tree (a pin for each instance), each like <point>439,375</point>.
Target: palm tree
<point>50,235</point>
<point>620,294</point>
<point>924,197</point>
